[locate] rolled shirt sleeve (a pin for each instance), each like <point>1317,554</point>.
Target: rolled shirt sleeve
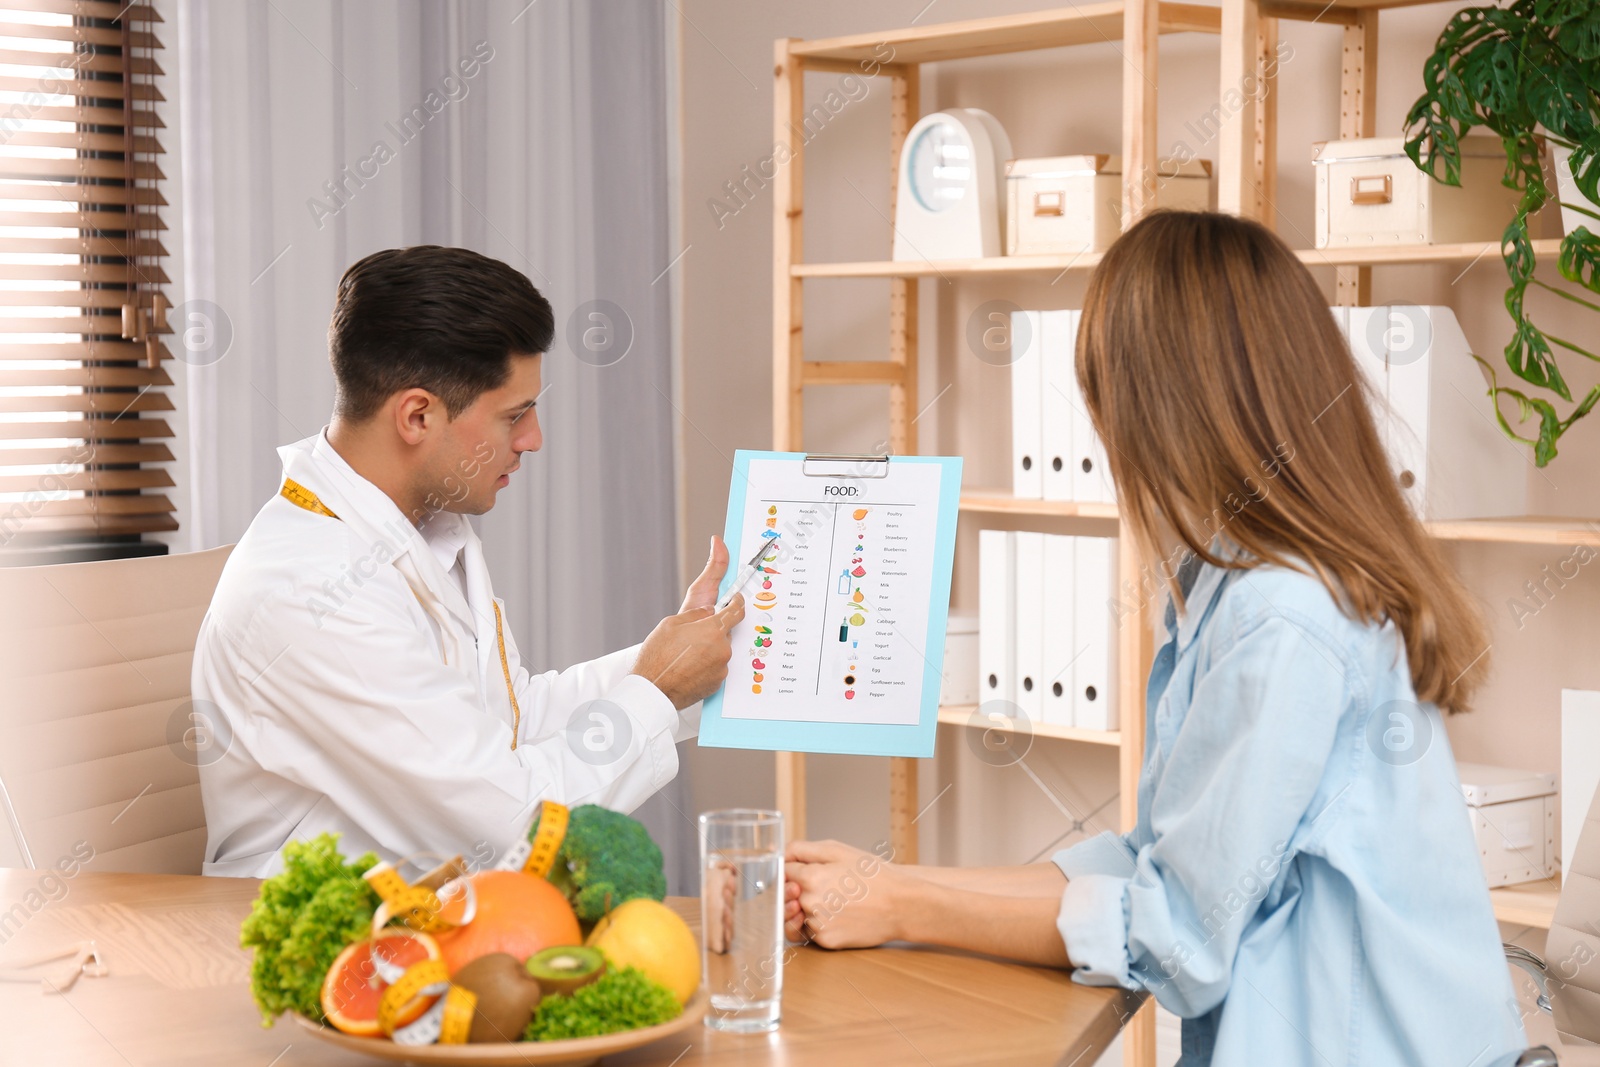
<point>1166,907</point>
<point>1093,920</point>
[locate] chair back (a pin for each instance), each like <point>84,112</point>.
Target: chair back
<point>99,744</point>
<point>1572,948</point>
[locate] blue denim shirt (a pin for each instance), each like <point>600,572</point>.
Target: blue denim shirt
<point>1302,886</point>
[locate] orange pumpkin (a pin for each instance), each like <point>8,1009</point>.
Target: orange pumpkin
<point>517,913</point>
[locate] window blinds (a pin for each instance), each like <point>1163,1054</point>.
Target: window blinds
<point>82,312</point>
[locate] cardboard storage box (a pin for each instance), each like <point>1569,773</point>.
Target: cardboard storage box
<point>1064,204</point>
<point>1370,193</point>
<point>1514,821</point>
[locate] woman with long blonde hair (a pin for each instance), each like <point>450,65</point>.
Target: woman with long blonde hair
<point>1302,886</point>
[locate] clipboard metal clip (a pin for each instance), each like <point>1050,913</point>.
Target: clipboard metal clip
<point>845,465</point>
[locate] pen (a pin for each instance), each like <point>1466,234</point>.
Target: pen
<point>749,570</point>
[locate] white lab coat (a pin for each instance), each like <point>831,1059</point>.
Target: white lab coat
<point>356,689</point>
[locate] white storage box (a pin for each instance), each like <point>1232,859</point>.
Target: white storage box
<point>1370,193</point>
<point>1447,454</point>
<point>1514,821</point>
<point>960,683</point>
<point>1065,204</point>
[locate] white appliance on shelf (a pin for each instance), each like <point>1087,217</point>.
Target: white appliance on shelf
<point>1445,448</point>
<point>1058,581</point>
<point>1028,461</point>
<point>1513,820</point>
<point>1028,640</point>
<point>1046,635</point>
<point>949,201</point>
<point>1055,452</point>
<point>1094,668</point>
<point>997,616</point>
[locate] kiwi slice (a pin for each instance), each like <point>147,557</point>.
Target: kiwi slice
<point>566,968</point>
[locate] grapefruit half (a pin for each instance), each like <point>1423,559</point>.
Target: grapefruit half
<point>353,986</point>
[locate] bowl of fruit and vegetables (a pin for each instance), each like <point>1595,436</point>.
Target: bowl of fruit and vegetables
<point>559,962</point>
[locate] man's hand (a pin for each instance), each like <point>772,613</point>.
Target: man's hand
<point>703,590</point>
<point>686,655</point>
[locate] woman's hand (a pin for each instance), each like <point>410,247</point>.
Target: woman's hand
<point>842,897</point>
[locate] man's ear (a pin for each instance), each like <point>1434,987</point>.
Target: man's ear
<point>417,413</point>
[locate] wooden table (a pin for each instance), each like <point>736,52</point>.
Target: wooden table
<point>178,993</point>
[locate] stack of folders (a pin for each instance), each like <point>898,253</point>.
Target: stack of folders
<point>1047,628</point>
<point>1056,455</point>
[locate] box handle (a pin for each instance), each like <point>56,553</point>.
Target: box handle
<point>1049,203</point>
<point>1363,192</point>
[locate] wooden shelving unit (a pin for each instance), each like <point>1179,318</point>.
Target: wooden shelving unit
<point>1002,503</point>
<point>964,715</point>
<point>1529,904</point>
<point>1246,185</point>
<point>1027,265</point>
<point>1138,24</point>
<point>1523,530</point>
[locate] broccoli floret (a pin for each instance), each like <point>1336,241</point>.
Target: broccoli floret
<point>606,859</point>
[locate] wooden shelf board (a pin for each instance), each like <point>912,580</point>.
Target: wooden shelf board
<point>998,503</point>
<point>1530,530</point>
<point>1336,12</point>
<point>930,268</point>
<point>1528,904</point>
<point>1381,255</point>
<point>1545,249</point>
<point>1380,5</point>
<point>962,715</point>
<point>1533,530</point>
<point>1055,28</point>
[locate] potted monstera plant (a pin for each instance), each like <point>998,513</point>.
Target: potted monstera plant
<point>1528,71</point>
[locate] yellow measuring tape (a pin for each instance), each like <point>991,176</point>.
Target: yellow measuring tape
<point>415,905</point>
<point>552,831</point>
<point>452,1017</point>
<point>301,497</point>
<point>449,1019</point>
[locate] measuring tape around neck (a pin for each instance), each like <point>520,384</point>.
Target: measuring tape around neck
<point>301,497</point>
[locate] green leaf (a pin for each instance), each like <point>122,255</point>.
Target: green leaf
<point>1548,101</point>
<point>1435,145</point>
<point>1579,259</point>
<point>1516,247</point>
<point>1585,166</point>
<point>1581,36</point>
<point>1525,170</point>
<point>1551,425</point>
<point>1528,354</point>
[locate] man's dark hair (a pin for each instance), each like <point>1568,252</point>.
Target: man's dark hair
<point>442,319</point>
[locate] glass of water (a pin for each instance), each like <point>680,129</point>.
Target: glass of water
<point>741,913</point>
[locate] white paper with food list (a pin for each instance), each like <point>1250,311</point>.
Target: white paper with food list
<point>841,648</point>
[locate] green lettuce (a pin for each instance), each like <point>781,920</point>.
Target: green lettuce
<point>302,919</point>
<point>619,1000</point>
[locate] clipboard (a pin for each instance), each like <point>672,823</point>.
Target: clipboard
<point>841,648</point>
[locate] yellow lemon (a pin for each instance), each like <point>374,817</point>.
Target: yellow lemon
<point>649,935</point>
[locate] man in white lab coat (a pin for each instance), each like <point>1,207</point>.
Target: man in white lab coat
<point>355,664</point>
